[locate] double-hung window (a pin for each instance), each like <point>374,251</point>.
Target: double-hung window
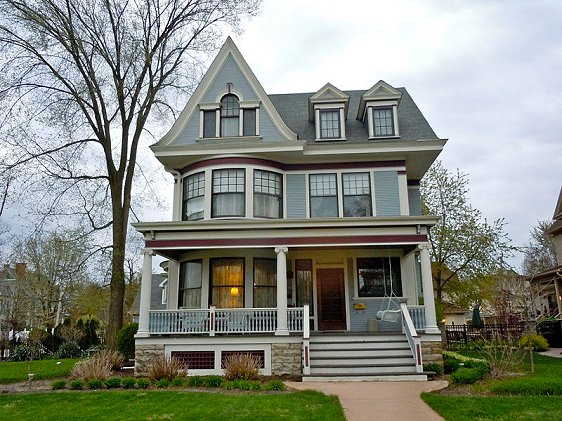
<point>190,284</point>
<point>330,124</point>
<point>323,195</point>
<point>268,194</point>
<point>356,194</point>
<point>379,277</point>
<point>228,193</point>
<point>265,283</point>
<point>230,116</point>
<point>383,121</point>
<point>193,197</point>
<point>227,282</point>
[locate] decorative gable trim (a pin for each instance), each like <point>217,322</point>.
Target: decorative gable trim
<point>381,91</point>
<point>328,95</point>
<point>228,49</point>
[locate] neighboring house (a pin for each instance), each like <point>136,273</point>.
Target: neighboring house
<point>454,315</point>
<point>12,280</point>
<point>296,222</point>
<point>158,296</point>
<point>547,285</point>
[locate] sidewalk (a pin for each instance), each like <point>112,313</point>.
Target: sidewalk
<point>553,352</point>
<point>383,401</point>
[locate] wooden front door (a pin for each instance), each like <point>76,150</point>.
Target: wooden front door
<point>331,299</point>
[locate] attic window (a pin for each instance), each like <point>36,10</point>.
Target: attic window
<point>330,124</point>
<point>230,116</point>
<point>383,121</point>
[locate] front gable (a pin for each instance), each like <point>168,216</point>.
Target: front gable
<point>228,73</point>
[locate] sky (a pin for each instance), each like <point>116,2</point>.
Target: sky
<point>487,75</point>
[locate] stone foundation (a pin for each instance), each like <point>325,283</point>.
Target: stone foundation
<point>286,359</point>
<point>144,355</point>
<point>432,352</point>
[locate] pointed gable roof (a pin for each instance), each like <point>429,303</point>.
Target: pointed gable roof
<point>327,94</point>
<point>228,51</point>
<point>380,91</point>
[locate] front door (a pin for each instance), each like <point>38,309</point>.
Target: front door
<point>331,299</point>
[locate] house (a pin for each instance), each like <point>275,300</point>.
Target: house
<point>547,286</point>
<point>296,232</point>
<point>158,296</point>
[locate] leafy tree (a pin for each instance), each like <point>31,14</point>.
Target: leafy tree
<point>540,253</point>
<point>82,81</point>
<point>465,248</point>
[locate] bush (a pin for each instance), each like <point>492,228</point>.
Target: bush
<point>69,349</point>
<point>538,342</point>
<point>275,384</point>
<point>113,383</point>
<point>94,384</point>
<point>435,367</point>
<point>241,384</point>
<point>77,384</point>
<point>96,367</point>
<point>450,365</point>
<point>88,326</point>
<point>165,368</point>
<point>25,352</point>
<point>178,381</point>
<point>126,340</point>
<point>528,386</point>
<point>241,366</point>
<point>128,382</point>
<point>114,358</point>
<point>143,383</point>
<point>469,375</point>
<point>212,381</point>
<point>195,381</point>
<point>58,385</point>
<point>162,383</point>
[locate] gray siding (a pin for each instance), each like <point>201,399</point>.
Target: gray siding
<point>414,200</point>
<point>190,133</point>
<point>230,72</point>
<point>296,196</point>
<point>387,199</point>
<point>268,131</point>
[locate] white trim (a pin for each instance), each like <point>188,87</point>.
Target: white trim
<point>226,91</point>
<point>403,194</point>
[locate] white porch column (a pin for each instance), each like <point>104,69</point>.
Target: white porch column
<point>428,296</point>
<point>146,286</point>
<point>282,328</point>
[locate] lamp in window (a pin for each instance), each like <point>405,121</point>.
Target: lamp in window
<point>234,291</point>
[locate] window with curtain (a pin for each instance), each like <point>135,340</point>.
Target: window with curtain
<point>190,284</point>
<point>323,195</point>
<point>330,124</point>
<point>228,193</point>
<point>265,283</point>
<point>383,121</point>
<point>193,197</point>
<point>268,194</point>
<point>379,277</point>
<point>356,194</point>
<point>230,116</point>
<point>227,282</point>
<point>303,279</point>
<point>209,123</point>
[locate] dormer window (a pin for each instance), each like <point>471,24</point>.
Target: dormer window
<point>378,109</point>
<point>383,121</point>
<point>327,108</point>
<point>330,124</point>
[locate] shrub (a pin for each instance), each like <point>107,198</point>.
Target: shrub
<point>275,384</point>
<point>528,386</point>
<point>114,358</point>
<point>58,385</point>
<point>143,383</point>
<point>450,365</point>
<point>538,342</point>
<point>113,383</point>
<point>212,381</point>
<point>128,382</point>
<point>242,384</point>
<point>241,366</point>
<point>468,375</point>
<point>195,381</point>
<point>178,381</point>
<point>435,367</point>
<point>69,349</point>
<point>165,368</point>
<point>24,352</point>
<point>77,384</point>
<point>126,340</point>
<point>94,384</point>
<point>95,367</point>
<point>162,383</point>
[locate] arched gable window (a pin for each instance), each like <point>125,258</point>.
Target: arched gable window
<point>230,115</point>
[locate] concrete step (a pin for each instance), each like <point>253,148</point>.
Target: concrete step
<point>356,338</point>
<point>366,361</point>
<point>388,377</point>
<point>352,346</point>
<point>360,353</point>
<point>363,370</point>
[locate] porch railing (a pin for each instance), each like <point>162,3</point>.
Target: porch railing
<point>222,321</point>
<point>417,313</point>
<point>413,337</point>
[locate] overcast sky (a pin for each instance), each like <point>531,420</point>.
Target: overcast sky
<point>487,75</point>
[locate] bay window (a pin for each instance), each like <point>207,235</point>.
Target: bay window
<point>227,282</point>
<point>193,197</point>
<point>356,194</point>
<point>268,194</point>
<point>323,195</point>
<point>190,284</point>
<point>228,193</point>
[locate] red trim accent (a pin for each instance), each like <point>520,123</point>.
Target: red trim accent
<point>290,167</point>
<point>306,362</point>
<point>289,241</point>
<point>418,354</point>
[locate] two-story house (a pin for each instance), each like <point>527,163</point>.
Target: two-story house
<point>296,233</point>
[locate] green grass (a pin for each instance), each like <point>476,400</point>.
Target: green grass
<point>168,405</point>
<point>523,397</point>
<point>13,372</point>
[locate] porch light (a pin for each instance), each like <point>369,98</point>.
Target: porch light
<point>234,291</point>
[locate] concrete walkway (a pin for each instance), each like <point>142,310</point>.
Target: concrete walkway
<point>553,352</point>
<point>385,401</point>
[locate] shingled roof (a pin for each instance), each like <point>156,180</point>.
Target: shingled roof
<point>293,108</point>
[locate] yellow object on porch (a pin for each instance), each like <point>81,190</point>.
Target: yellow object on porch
<point>359,306</point>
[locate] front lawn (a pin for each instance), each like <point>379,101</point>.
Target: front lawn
<point>13,372</point>
<point>519,397</point>
<point>176,405</point>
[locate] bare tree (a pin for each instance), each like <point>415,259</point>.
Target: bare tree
<point>540,253</point>
<point>82,80</point>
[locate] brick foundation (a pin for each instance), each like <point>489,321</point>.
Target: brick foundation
<point>144,355</point>
<point>286,359</point>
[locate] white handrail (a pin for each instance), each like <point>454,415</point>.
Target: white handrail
<point>413,337</point>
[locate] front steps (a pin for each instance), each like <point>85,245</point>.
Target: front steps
<point>361,357</point>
